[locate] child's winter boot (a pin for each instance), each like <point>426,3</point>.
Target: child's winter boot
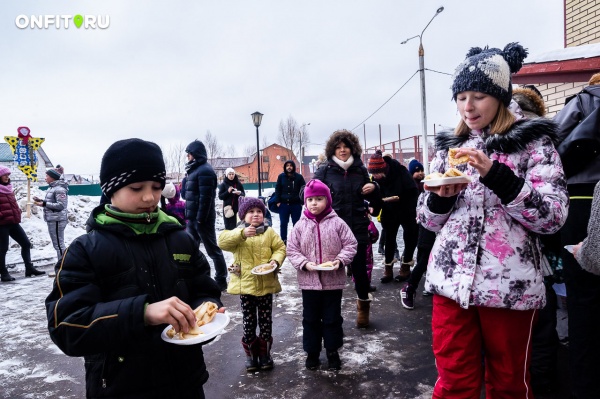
<point>252,353</point>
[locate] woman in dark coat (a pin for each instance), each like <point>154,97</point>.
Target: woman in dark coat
<point>229,192</point>
<point>10,217</point>
<point>348,179</point>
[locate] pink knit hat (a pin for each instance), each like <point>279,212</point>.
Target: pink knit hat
<point>4,170</point>
<point>316,188</point>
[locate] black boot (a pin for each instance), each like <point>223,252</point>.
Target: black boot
<point>333,358</point>
<point>32,271</point>
<point>252,351</point>
<point>266,361</point>
<point>312,360</point>
<point>4,275</point>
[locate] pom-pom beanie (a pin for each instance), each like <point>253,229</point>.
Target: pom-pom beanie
<point>488,71</point>
<point>377,164</point>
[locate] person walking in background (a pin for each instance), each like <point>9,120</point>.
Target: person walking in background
<point>133,273</point>
<point>321,236</point>
<point>484,268</point>
<point>200,193</point>
<point>399,208</point>
<point>10,219</point>
<point>287,190</point>
<point>55,205</point>
<point>348,180</point>
<point>230,191</point>
<point>254,244</point>
<point>425,242</point>
<point>579,135</point>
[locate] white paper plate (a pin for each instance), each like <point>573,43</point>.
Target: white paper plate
<point>447,180</point>
<point>210,330</point>
<point>324,268</point>
<point>255,270</point>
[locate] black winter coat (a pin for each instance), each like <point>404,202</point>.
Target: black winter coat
<point>96,309</point>
<point>288,187</point>
<point>398,182</point>
<point>568,118</point>
<point>348,202</point>
<point>230,198</point>
<point>200,191</point>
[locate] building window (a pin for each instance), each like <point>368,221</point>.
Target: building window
<point>264,176</point>
<point>265,158</point>
<point>283,158</point>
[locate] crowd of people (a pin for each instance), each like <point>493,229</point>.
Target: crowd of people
<point>531,187</point>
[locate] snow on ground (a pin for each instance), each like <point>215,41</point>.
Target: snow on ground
<point>31,366</point>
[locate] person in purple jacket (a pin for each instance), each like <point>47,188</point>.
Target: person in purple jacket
<point>321,236</point>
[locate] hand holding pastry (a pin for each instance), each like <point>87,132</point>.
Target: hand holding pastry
<point>477,159</point>
<point>171,311</point>
<point>310,266</point>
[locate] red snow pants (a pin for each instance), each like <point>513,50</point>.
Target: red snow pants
<point>463,338</point>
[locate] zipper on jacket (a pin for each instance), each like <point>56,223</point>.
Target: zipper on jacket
<point>102,374</point>
<point>151,270</point>
<point>319,239</point>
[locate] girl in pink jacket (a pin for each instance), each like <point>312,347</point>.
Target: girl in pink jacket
<point>321,236</point>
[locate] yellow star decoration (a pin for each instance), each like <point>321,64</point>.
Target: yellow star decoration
<point>34,143</point>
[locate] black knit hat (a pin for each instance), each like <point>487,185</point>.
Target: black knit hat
<point>53,173</point>
<point>377,164</point>
<point>488,71</point>
<point>131,161</point>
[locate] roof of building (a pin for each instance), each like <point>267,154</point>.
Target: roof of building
<point>571,64</point>
<point>6,154</point>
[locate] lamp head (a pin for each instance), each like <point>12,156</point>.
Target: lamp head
<point>439,10</point>
<point>257,118</point>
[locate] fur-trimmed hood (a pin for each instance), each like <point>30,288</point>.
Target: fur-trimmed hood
<point>529,101</point>
<point>516,139</point>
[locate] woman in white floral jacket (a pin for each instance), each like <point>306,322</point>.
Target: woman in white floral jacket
<point>484,268</point>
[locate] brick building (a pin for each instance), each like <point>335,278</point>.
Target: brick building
<point>564,72</point>
<point>272,159</point>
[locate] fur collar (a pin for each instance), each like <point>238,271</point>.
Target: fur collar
<point>516,139</point>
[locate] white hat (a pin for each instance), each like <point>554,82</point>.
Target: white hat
<point>229,170</point>
<point>169,191</point>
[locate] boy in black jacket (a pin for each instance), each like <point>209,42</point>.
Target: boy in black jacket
<point>118,286</point>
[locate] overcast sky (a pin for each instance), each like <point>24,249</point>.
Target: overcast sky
<point>168,71</point>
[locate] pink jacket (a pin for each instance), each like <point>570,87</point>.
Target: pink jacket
<point>328,240</point>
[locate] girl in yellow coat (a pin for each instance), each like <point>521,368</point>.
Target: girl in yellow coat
<point>254,244</point>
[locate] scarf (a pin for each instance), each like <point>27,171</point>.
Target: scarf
<point>6,188</point>
<point>342,164</point>
<point>320,216</point>
<point>190,165</point>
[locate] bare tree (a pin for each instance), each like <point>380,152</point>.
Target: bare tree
<point>214,149</point>
<point>175,160</point>
<point>292,137</point>
<point>230,151</point>
<point>178,156</point>
<point>249,150</point>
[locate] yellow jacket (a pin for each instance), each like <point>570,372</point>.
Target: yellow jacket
<point>248,253</point>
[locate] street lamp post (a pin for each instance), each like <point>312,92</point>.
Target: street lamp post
<point>256,119</point>
<point>423,100</point>
<point>302,132</point>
